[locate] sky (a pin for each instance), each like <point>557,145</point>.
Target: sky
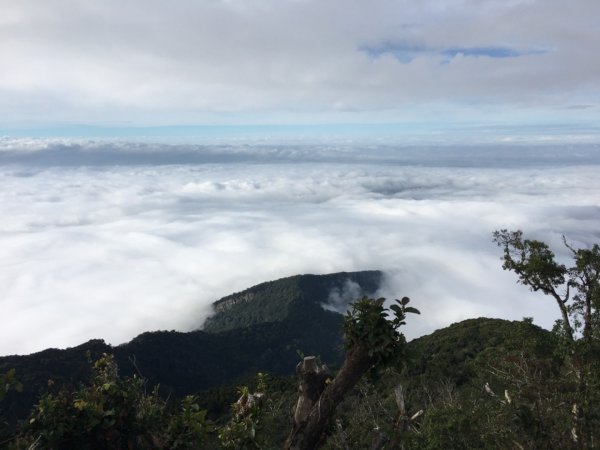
<point>72,67</point>
<point>156,156</point>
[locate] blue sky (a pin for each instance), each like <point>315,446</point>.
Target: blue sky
<point>406,53</point>
<point>225,67</point>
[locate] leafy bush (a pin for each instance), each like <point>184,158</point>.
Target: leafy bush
<point>111,413</point>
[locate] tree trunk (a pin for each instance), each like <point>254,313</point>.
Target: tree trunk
<point>308,433</point>
<point>311,384</point>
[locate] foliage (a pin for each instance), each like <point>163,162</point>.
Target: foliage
<point>112,412</point>
<point>367,324</point>
<point>531,260</point>
<point>373,342</point>
<point>8,382</point>
<point>242,430</point>
<point>576,289</point>
<point>445,379</point>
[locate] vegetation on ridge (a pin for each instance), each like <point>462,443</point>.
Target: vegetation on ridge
<point>276,301</point>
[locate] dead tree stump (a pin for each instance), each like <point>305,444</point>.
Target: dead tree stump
<point>311,383</point>
<point>309,427</point>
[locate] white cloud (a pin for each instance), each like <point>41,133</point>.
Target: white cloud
<point>340,297</point>
<point>111,251</point>
<point>149,62</point>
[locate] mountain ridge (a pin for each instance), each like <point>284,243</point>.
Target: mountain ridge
<point>275,300</point>
<point>187,362</point>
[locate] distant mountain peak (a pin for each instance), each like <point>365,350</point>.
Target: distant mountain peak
<point>275,301</point>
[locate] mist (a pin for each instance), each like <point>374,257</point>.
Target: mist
<point>113,239</point>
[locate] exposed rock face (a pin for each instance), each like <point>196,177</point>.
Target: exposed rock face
<point>230,301</point>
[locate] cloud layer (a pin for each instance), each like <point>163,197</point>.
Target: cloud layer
<point>271,61</point>
<point>111,251</point>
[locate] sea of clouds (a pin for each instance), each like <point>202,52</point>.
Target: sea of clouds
<point>107,240</point>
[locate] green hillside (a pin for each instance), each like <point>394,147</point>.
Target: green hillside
<point>245,338</point>
<point>278,300</point>
<point>446,376</point>
<point>451,353</point>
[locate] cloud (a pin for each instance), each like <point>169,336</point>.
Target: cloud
<point>497,148</point>
<point>146,62</point>
<point>108,252</point>
<point>340,297</point>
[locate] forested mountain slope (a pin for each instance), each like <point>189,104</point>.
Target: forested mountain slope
<point>263,332</point>
<point>279,300</point>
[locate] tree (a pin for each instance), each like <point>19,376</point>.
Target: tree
<point>535,264</point>
<point>372,342</point>
<point>576,291</point>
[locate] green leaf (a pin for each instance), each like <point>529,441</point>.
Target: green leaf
<point>410,309</point>
<point>396,309</point>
